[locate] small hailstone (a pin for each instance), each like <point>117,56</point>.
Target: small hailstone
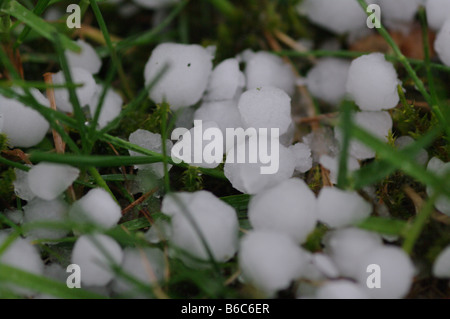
<point>155,4</point>
<point>442,42</point>
<point>94,253</point>
<point>338,208</point>
<point>184,83</point>
<point>185,117</point>
<point>159,231</point>
<point>16,216</point>
<point>440,168</point>
<point>112,105</point>
<point>48,180</point>
<point>396,272</point>
<point>21,188</point>
<point>437,13</point>
<point>266,107</point>
<point>84,93</point>
<point>326,80</point>
<point>289,208</point>
<point>404,141</point>
<point>372,83</point>
<point>264,69</point>
<point>321,142</point>
<point>332,164</point>
<point>270,261</point>
<point>341,289</point>
<point>97,207</point>
<point>86,59</point>
<point>23,126</point>
<point>39,210</point>
<point>398,13</point>
<point>226,81</point>
<point>303,159</point>
<point>441,266</point>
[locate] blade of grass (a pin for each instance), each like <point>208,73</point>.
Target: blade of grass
<point>346,129</point>
<point>38,10</point>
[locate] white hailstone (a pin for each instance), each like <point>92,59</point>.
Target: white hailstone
<point>341,289</point>
<point>289,208</point>
<point>325,265</point>
<point>332,164</point>
<point>303,159</point>
<point>372,83</point>
<point>96,207</point>
<point>86,59</point>
<point>396,272</point>
<point>226,81</point>
<point>404,141</point>
<point>16,216</point>
<point>48,180</point>
<point>264,69</point>
<point>21,188</point>
<point>440,168</point>
<point>442,43</point>
<point>321,142</point>
<point>84,93</point>
<point>38,210</point>
<point>347,246</point>
<point>216,220</point>
<point>266,107</point>
<point>287,138</point>
<point>441,266</point>
<point>326,80</point>
<point>437,12</point>
<point>270,261</point>
<point>339,208</point>
<point>160,230</point>
<point>94,254</point>
<point>184,83</point>
<point>155,4</point>
<point>112,105</point>
<point>398,14</point>
<point>152,142</point>
<point>144,264</point>
<point>23,126</point>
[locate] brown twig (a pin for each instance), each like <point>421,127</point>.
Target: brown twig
<point>60,145</point>
<point>139,200</point>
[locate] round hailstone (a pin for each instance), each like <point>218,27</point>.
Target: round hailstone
<point>84,93</point>
<point>216,220</point>
<point>400,13</point>
<point>437,13</point>
<point>326,80</point>
<point>303,159</point>
<point>321,142</point>
<point>338,208</point>
<point>325,265</point>
<point>289,208</point>
<point>160,231</point>
<point>155,4</point>
<point>442,42</point>
<point>112,105</point>
<point>23,126</point>
<point>152,142</point>
<point>39,210</point>
<point>441,266</point>
<point>341,289</point>
<point>264,69</point>
<point>270,261</point>
<point>372,83</point>
<point>404,141</point>
<point>97,207</point>
<point>266,108</point>
<point>48,180</point>
<point>94,253</point>
<point>396,272</point>
<point>440,168</point>
<point>21,188</point>
<point>226,81</point>
<point>87,59</point>
<point>332,164</point>
<point>184,83</point>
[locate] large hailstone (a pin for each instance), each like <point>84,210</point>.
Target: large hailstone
<point>184,83</point>
<point>264,69</point>
<point>94,254</point>
<point>441,266</point>
<point>112,105</point>
<point>226,81</point>
<point>442,42</point>
<point>398,14</point>
<point>270,261</point>
<point>289,208</point>
<point>87,59</point>
<point>372,82</point>
<point>21,187</point>
<point>216,220</point>
<point>341,289</point>
<point>23,126</point>
<point>96,207</point>
<point>48,180</point>
<point>437,13</point>
<point>440,168</point>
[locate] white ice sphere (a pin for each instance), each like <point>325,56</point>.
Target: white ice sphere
<point>325,265</point>
<point>94,254</point>
<point>152,142</point>
<point>21,187</point>
<point>396,12</point>
<point>112,105</point>
<point>440,168</point>
<point>96,207</point>
<point>87,59</point>
<point>270,261</point>
<point>160,231</point>
<point>396,272</point>
<point>332,164</point>
<point>404,141</point>
<point>289,208</point>
<point>48,180</point>
<point>326,80</point>
<point>225,82</point>
<point>339,208</point>
<point>23,126</point>
<point>341,289</point>
<point>84,93</point>
<point>321,141</point>
<point>39,210</point>
<point>155,4</point>
<point>442,42</point>
<point>216,220</point>
<point>184,83</point>
<point>437,12</point>
<point>441,266</point>
<point>185,117</point>
<point>264,69</point>
<point>372,83</point>
<point>266,108</point>
<point>303,159</point>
